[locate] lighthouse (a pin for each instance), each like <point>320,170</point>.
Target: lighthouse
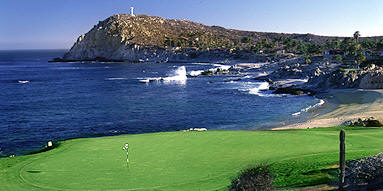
<point>131,11</point>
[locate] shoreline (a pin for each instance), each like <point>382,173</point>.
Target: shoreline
<point>348,104</point>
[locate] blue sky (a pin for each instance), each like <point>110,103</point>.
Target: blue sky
<point>49,24</point>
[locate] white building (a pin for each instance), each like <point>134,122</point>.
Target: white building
<point>131,11</point>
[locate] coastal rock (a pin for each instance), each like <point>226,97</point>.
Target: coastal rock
<point>364,122</point>
<point>292,91</point>
<point>367,78</point>
<point>365,174</point>
<point>373,80</point>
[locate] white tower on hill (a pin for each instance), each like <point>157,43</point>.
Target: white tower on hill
<point>131,11</point>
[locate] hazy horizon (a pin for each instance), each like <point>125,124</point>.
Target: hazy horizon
<point>47,24</point>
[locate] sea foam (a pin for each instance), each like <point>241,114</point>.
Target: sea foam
<point>321,102</point>
<point>217,67</point>
<point>261,87</point>
<point>178,75</point>
<point>255,88</point>
<point>23,81</point>
<point>196,73</point>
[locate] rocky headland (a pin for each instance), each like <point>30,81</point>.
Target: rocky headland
<point>143,38</point>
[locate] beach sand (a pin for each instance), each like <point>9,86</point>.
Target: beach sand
<point>348,104</point>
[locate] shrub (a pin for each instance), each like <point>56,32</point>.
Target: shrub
<point>256,178</point>
<point>364,122</point>
<point>245,39</point>
<point>338,58</point>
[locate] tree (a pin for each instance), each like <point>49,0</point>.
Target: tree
<point>338,58</point>
<point>360,57</point>
<point>368,44</point>
<point>356,36</point>
<point>245,39</point>
<point>336,43</point>
<point>307,58</point>
<point>345,44</point>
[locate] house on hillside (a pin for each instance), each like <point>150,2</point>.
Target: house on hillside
<point>336,51</point>
<point>325,52</point>
<point>280,52</point>
<point>332,52</point>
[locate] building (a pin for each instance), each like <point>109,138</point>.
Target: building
<point>132,11</point>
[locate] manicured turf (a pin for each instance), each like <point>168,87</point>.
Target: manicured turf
<point>186,160</point>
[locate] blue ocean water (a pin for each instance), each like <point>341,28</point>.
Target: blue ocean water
<point>41,101</point>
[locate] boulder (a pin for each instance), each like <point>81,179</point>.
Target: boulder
<point>373,80</point>
<point>292,91</point>
<point>364,122</point>
<point>365,174</point>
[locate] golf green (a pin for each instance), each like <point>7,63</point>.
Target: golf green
<point>186,160</point>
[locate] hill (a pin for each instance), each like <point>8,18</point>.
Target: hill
<point>150,38</point>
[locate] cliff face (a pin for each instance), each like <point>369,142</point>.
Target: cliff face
<point>148,38</point>
<point>141,37</point>
<point>120,37</point>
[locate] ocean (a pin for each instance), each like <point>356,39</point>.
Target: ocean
<point>42,101</point>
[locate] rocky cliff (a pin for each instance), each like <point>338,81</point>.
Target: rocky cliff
<point>367,78</point>
<point>149,38</point>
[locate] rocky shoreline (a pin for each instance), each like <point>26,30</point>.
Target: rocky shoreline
<point>365,173</point>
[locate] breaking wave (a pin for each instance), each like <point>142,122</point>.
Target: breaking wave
<point>178,75</point>
<point>262,87</point>
<point>196,73</point>
<point>217,67</point>
<point>116,78</point>
<point>257,88</point>
<point>321,102</point>
<point>23,81</point>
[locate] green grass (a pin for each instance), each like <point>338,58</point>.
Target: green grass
<point>187,160</point>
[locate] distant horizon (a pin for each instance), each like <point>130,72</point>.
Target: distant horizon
<point>41,26</point>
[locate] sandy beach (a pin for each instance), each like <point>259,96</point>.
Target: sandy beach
<point>348,104</point>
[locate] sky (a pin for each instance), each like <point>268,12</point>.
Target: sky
<point>56,24</point>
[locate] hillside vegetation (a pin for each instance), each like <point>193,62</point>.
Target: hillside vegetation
<point>150,38</point>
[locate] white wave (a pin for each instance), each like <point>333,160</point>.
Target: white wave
<point>321,102</point>
<point>296,114</point>
<point>219,67</point>
<point>196,73</point>
<point>261,74</point>
<point>147,80</point>
<point>213,70</point>
<point>116,78</point>
<point>203,64</point>
<point>66,68</point>
<point>222,67</point>
<point>253,88</point>
<point>23,81</point>
<point>178,76</point>
<point>256,90</point>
